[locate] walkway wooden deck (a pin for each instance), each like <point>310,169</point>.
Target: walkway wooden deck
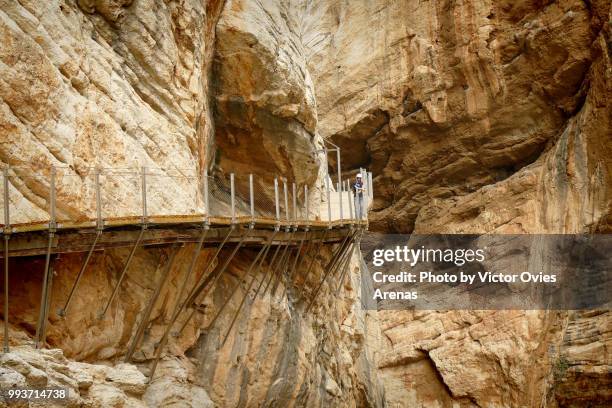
<point>296,232</point>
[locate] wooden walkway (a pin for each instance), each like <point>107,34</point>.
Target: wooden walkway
<point>34,241</point>
<point>289,234</point>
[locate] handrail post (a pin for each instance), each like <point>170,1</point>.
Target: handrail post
<point>276,199</point>
<point>7,236</point>
<point>286,199</point>
<point>345,188</point>
<point>52,195</point>
<point>99,222</point>
<point>143,177</point>
<point>370,189</point>
<point>329,219</point>
<point>7,224</point>
<point>206,200</point>
<point>370,186</point>
<point>307,215</point>
<point>233,197</point>
<point>295,211</point>
<point>364,210</point>
<point>348,190</point>
<point>340,199</point>
<point>339,167</point>
<point>252,197</point>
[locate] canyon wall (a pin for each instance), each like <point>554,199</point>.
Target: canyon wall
<point>477,117</point>
<point>177,87</point>
<point>275,354</point>
<point>108,84</point>
<point>443,98</point>
<point>474,116</point>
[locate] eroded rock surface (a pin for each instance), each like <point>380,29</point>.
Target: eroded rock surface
<point>275,354</point>
<point>441,99</point>
<point>86,384</point>
<point>125,84</point>
<point>475,116</point>
<point>109,84</point>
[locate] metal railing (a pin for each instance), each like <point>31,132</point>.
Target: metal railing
<point>63,197</point>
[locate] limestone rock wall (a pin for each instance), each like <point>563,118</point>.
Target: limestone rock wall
<point>177,87</point>
<point>474,116</point>
<point>104,84</point>
<point>477,117</point>
<point>266,110</point>
<point>275,355</point>
<point>442,98</point>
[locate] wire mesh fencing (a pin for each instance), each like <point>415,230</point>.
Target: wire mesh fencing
<point>264,198</point>
<point>74,198</point>
<point>219,197</point>
<point>174,193</point>
<point>24,198</point>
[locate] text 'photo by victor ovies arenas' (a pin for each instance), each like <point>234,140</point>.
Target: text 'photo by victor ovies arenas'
<point>297,203</point>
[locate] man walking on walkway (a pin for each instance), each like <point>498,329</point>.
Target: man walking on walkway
<point>358,190</point>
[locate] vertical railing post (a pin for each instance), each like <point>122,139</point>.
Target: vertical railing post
<point>295,211</point>
<point>340,198</point>
<point>370,186</point>
<point>233,197</point>
<point>52,208</point>
<point>143,177</point>
<point>351,199</point>
<point>306,209</point>
<point>206,199</point>
<point>339,166</point>
<point>7,224</point>
<point>276,199</point>
<point>328,198</point>
<point>342,188</point>
<point>99,222</point>
<point>7,236</point>
<point>252,197</point>
<point>286,199</point>
<point>349,194</point>
<point>364,210</point>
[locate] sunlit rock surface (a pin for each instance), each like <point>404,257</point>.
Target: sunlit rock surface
<point>474,116</point>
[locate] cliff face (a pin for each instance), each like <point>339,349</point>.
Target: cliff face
<point>274,355</point>
<point>265,99</point>
<point>477,117</point>
<point>474,116</point>
<point>123,84</point>
<point>443,98</point>
<point>116,84</point>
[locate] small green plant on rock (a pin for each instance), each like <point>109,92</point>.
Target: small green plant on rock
<point>560,368</point>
